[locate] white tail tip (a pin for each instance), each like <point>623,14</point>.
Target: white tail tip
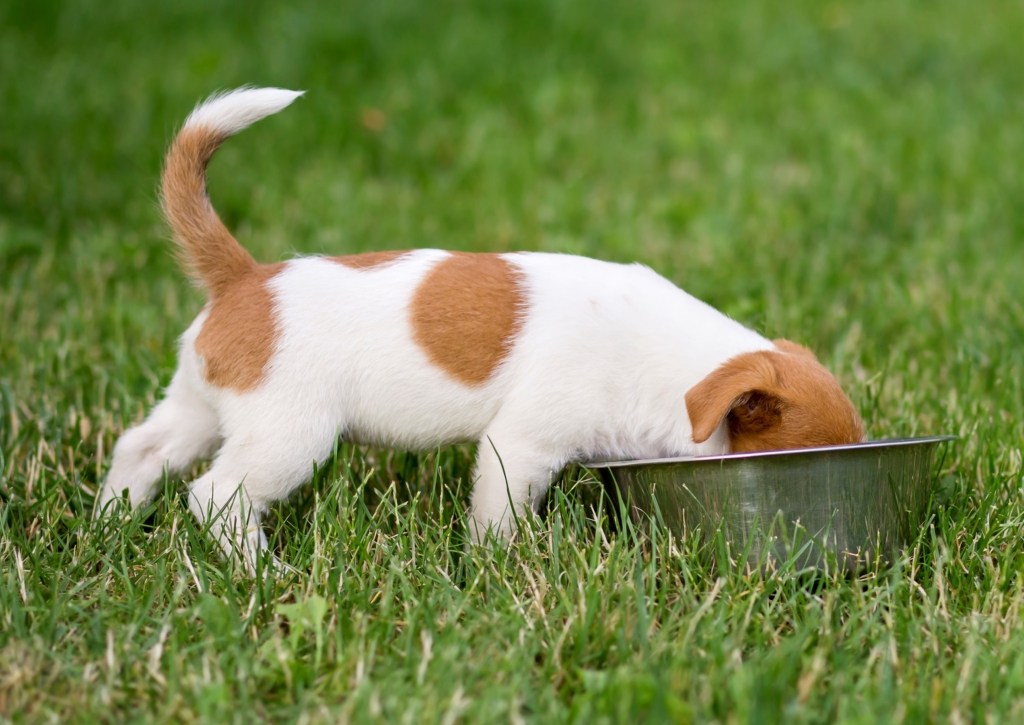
<point>228,113</point>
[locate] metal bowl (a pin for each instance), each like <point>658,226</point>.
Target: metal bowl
<point>841,504</point>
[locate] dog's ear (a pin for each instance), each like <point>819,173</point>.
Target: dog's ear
<point>745,388</point>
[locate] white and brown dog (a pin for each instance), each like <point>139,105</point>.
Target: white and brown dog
<point>543,358</point>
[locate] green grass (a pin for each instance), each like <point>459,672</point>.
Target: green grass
<point>846,175</point>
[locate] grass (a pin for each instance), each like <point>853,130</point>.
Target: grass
<point>846,175</point>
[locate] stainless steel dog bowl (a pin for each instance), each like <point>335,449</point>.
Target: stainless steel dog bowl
<point>858,502</point>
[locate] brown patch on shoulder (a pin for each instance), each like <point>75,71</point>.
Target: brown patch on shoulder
<point>466,314</point>
<point>239,334</point>
<point>774,400</point>
<point>368,260</point>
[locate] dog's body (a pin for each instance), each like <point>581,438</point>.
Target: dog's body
<point>543,359</point>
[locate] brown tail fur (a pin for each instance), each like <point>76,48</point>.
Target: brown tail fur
<point>206,249</point>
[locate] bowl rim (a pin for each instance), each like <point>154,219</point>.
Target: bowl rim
<point>884,443</point>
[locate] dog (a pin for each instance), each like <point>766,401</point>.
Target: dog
<point>543,359</point>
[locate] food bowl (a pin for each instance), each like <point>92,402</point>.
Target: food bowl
<point>810,506</point>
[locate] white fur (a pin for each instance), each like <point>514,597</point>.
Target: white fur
<point>228,113</point>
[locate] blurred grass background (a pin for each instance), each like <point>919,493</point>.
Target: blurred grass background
<point>847,175</point>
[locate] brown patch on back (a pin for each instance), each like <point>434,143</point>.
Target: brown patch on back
<point>774,400</point>
<point>466,314</point>
<point>239,334</point>
<point>368,260</point>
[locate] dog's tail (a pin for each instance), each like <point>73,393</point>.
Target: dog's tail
<point>207,251</point>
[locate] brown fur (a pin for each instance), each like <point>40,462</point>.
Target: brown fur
<point>466,314</point>
<point>774,401</point>
<point>239,335</point>
<point>207,251</point>
<point>368,260</point>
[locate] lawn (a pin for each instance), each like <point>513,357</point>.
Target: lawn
<point>850,176</point>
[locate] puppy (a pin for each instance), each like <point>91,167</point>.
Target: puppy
<point>543,359</point>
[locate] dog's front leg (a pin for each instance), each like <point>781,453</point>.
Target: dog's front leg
<point>512,473</point>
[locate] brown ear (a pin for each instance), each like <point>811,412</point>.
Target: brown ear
<point>745,386</point>
<point>792,347</point>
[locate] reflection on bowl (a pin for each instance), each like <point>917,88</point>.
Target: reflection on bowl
<point>859,501</point>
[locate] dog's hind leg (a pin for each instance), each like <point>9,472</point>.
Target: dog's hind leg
<point>180,430</point>
<point>264,461</point>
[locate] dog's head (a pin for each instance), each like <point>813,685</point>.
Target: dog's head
<point>773,400</point>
